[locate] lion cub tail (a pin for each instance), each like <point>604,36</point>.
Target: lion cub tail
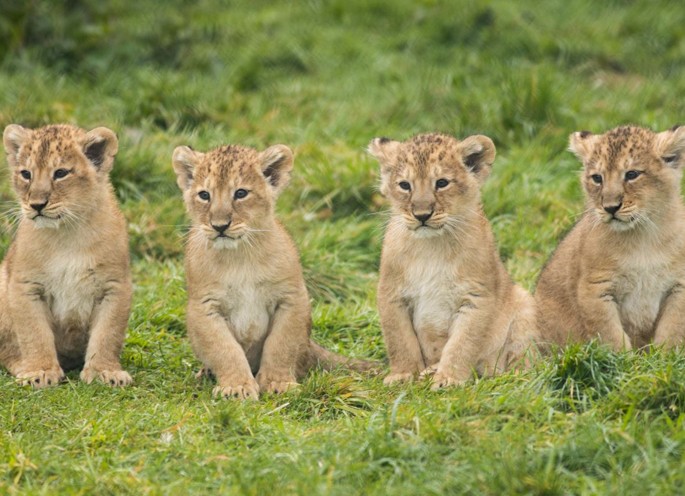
<point>328,360</point>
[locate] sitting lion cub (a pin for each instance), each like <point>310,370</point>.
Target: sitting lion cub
<point>619,275</point>
<point>65,285</point>
<point>446,303</point>
<point>248,308</point>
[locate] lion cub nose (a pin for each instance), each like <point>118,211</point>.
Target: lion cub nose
<point>422,218</point>
<point>38,206</point>
<point>221,228</point>
<point>612,209</point>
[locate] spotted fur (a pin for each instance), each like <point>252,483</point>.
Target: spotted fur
<point>65,287</point>
<point>447,305</point>
<point>619,274</point>
<point>249,317</point>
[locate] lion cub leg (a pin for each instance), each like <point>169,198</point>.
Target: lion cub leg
<point>521,349</point>
<point>216,346</point>
<point>286,347</point>
<point>401,341</point>
<point>463,349</point>
<point>38,365</point>
<point>600,314</point>
<point>670,330</point>
<point>9,348</point>
<point>108,330</point>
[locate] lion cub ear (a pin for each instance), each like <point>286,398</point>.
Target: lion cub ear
<point>581,143</point>
<point>478,154</point>
<point>13,137</point>
<point>276,163</point>
<point>100,146</point>
<point>385,150</point>
<point>670,146</point>
<point>184,160</point>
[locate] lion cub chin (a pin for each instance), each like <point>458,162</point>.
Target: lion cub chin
<point>248,308</point>
<point>619,275</point>
<point>447,305</point>
<point>65,285</point>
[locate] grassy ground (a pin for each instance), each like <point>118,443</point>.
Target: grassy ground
<point>325,77</point>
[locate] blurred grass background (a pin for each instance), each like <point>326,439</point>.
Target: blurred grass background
<point>324,77</point>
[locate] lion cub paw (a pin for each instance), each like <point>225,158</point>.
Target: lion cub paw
<point>114,378</point>
<point>204,373</point>
<point>277,387</point>
<point>248,390</point>
<point>398,377</point>
<point>428,372</point>
<point>39,379</point>
<point>442,380</point>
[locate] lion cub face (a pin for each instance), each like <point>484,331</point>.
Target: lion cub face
<point>631,175</point>
<point>230,191</point>
<point>433,180</point>
<point>59,171</point>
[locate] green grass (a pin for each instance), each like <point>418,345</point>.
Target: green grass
<point>326,76</point>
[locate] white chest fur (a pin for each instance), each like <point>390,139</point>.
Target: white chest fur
<point>247,307</point>
<point>640,292</point>
<point>71,288</point>
<point>435,293</point>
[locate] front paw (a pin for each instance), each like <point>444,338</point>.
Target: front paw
<point>114,378</point>
<point>41,378</point>
<point>247,389</point>
<point>278,387</point>
<point>428,372</point>
<point>395,377</point>
<point>276,383</point>
<point>443,380</point>
<point>205,373</point>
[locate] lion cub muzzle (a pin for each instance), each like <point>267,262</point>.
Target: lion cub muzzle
<point>221,228</point>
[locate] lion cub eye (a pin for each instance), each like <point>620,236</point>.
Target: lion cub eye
<point>60,173</point>
<point>405,185</point>
<point>441,183</point>
<point>596,178</point>
<point>240,193</point>
<point>632,174</point>
<point>204,195</point>
<point>25,174</point>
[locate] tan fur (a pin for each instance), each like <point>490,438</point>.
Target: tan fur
<point>65,287</point>
<point>621,278</point>
<point>248,308</point>
<point>447,305</point>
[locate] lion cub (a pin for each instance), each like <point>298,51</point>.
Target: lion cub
<point>620,273</point>
<point>248,308</point>
<point>65,285</point>
<point>446,303</point>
